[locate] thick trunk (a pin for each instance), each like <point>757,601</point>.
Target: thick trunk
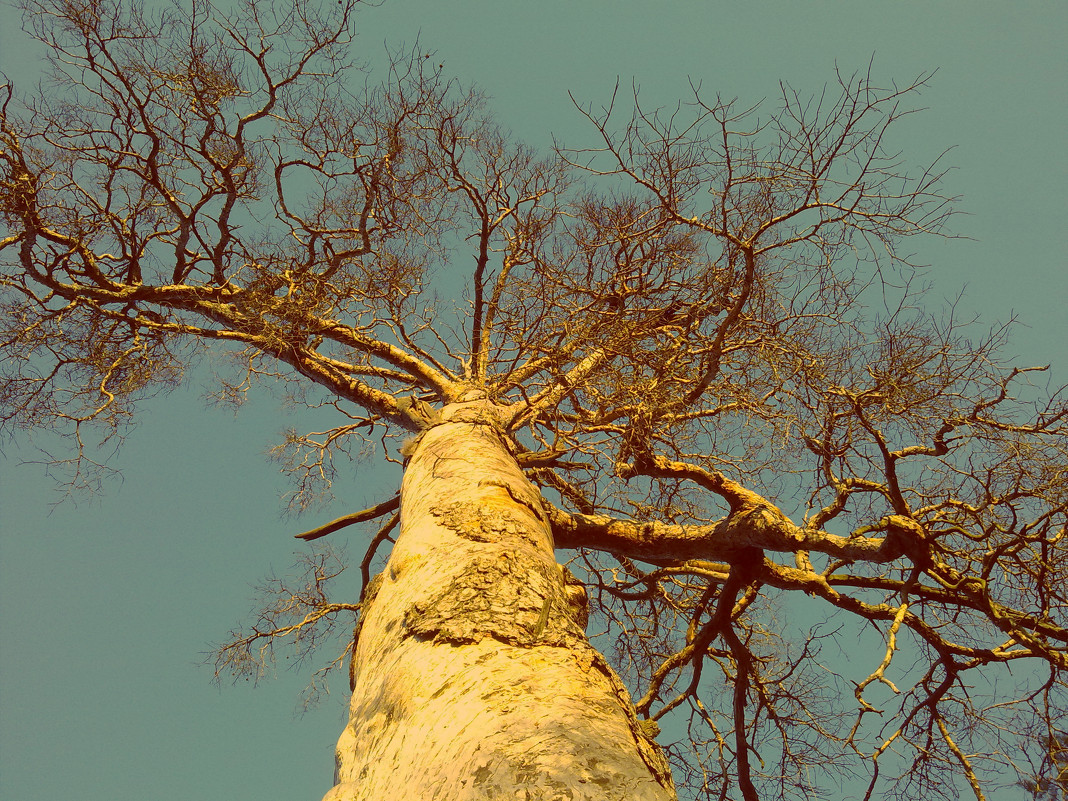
<point>473,676</point>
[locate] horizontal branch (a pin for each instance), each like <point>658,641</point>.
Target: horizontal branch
<point>750,527</point>
<point>939,594</point>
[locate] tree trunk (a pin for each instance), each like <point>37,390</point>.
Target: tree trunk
<point>473,677</point>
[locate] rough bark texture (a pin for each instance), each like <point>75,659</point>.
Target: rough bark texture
<point>473,676</point>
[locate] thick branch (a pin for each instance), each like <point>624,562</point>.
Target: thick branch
<point>760,527</point>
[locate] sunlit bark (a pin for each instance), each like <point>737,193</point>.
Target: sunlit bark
<point>473,676</point>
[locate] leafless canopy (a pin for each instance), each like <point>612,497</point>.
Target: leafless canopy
<point>764,450</point>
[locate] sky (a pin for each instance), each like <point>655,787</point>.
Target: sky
<point>107,604</point>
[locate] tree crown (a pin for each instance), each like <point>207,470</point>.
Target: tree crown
<point>702,336</point>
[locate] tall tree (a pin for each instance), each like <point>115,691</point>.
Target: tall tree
<point>694,357</point>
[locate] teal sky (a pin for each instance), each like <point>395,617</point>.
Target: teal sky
<point>107,604</point>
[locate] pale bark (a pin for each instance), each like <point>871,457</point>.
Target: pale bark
<point>473,677</point>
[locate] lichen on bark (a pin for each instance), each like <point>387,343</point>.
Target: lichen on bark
<point>507,591</point>
<point>503,595</point>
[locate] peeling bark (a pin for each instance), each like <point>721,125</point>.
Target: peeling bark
<point>473,676</point>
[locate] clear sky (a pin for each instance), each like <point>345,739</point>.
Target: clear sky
<point>107,605</point>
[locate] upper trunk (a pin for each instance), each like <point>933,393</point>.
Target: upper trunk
<point>473,677</point>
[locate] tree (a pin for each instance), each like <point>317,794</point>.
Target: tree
<point>694,357</point>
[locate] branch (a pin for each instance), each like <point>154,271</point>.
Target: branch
<point>348,520</point>
<point>761,526</point>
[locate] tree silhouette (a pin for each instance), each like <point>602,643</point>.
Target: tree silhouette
<point>694,357</point>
